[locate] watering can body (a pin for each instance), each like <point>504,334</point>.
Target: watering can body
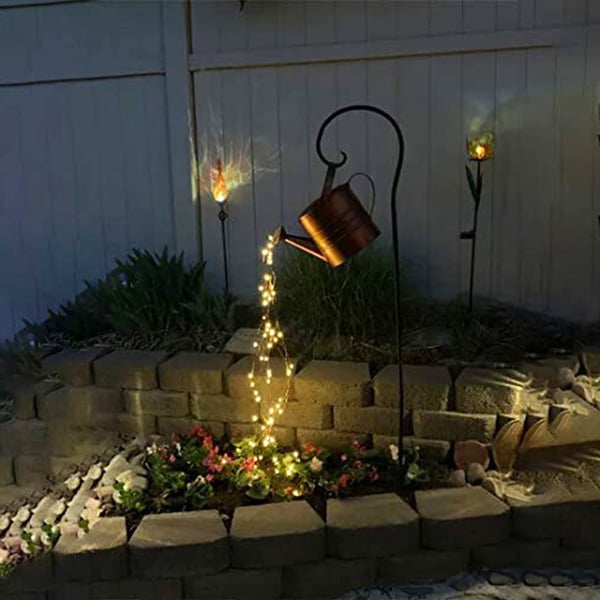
<point>337,224</point>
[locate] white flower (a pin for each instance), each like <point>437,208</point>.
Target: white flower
<point>95,472</point>
<point>58,508</point>
<point>394,452</point>
<point>316,465</point>
<point>73,482</point>
<point>22,515</point>
<point>4,522</point>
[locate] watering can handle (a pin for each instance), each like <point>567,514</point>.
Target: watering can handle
<point>372,183</point>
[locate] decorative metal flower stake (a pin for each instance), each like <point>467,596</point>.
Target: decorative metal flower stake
<point>479,148</point>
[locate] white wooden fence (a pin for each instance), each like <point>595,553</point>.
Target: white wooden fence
<point>97,136</point>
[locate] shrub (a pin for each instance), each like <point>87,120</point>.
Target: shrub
<point>147,293</point>
<point>332,311</point>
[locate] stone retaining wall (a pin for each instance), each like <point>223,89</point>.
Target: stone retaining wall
<point>95,396</point>
<point>286,551</point>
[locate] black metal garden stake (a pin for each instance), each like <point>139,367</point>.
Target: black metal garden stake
<point>479,149</point>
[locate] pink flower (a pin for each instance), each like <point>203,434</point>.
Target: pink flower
<point>249,464</point>
<point>343,481</point>
<point>174,438</point>
<point>199,431</point>
<point>344,458</point>
<point>172,458</point>
<point>357,464</point>
<point>210,477</point>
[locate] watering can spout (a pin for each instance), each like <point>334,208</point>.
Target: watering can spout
<point>298,241</point>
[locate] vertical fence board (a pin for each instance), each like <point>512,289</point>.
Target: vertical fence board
<point>508,170</point>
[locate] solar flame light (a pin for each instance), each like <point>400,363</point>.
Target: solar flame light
<point>479,149</point>
<point>338,227</point>
<point>220,192</point>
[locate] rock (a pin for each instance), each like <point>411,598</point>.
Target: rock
<point>493,486</point>
<point>471,451</point>
<point>496,578</point>
<point>506,445</point>
<point>584,390</point>
<point>560,580</point>
<point>475,473</point>
<point>457,478</point>
<point>565,378</point>
<point>534,579</point>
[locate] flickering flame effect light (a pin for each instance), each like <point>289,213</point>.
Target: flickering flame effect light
<point>220,191</point>
<point>481,147</point>
<point>270,338</point>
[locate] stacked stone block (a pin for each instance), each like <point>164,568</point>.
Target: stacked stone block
<point>287,551</point>
<point>95,397</point>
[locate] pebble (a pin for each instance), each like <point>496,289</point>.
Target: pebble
<point>496,578</point>
<point>534,579</point>
<point>457,478</point>
<point>585,391</point>
<point>560,580</point>
<point>565,378</point>
<point>475,473</point>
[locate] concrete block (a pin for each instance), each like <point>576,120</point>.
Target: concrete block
<point>329,578</point>
<point>422,566</point>
<point>180,544</point>
<point>425,387</point>
<point>169,425</point>
<point>491,391</point>
<point>23,396</point>
<point>433,449</point>
<point>157,403</point>
<point>74,367</point>
<point>126,423</point>
<point>371,526</point>
<point>70,590</point>
<point>31,470</point>
<point>140,589</point>
<point>131,369</point>
<point>99,554</point>
<point>28,437</point>
<point>7,474</point>
<point>194,372</point>
<point>330,438</point>
<point>285,436</point>
<point>516,553</point>
<point>222,408</point>
<point>453,426</point>
<point>79,440</point>
<point>274,535</point>
<point>333,382</point>
<point>306,416</point>
<point>79,404</point>
<point>460,518</point>
<point>571,515</point>
<point>237,383</point>
<point>236,584</point>
<point>30,576</point>
<point>544,372</point>
<point>242,341</point>
<point>372,419</point>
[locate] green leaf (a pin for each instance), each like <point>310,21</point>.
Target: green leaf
<point>472,185</point>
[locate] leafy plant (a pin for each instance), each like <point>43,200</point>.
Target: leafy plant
<point>145,295</point>
<point>331,310</point>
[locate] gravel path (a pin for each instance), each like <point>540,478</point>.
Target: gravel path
<point>543,585</point>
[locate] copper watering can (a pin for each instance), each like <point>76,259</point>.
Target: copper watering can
<point>337,223</point>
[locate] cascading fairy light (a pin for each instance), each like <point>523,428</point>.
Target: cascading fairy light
<point>270,338</point>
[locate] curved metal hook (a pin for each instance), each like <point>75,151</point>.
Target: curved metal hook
<point>367,108</point>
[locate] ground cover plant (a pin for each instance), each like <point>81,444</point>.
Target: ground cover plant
<point>194,471</point>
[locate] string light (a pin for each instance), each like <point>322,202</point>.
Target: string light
<point>270,338</point>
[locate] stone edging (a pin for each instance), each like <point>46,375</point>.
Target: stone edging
<point>285,550</point>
